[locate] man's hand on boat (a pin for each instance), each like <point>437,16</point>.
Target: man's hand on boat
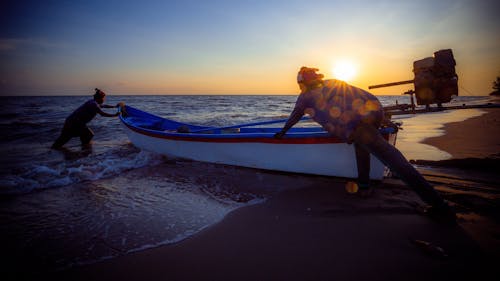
<point>121,109</point>
<point>279,134</point>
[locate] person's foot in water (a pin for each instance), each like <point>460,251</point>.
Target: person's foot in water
<point>87,146</point>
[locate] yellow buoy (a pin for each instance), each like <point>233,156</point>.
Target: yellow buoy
<point>351,187</point>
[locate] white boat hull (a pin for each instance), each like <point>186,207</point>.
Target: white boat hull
<point>328,159</point>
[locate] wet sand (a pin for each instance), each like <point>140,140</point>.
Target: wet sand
<point>478,137</point>
<point>320,232</point>
<point>470,179</point>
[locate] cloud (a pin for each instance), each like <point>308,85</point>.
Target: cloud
<point>8,44</point>
<point>121,83</point>
<point>14,44</point>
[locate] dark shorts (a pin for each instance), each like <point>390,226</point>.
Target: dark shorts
<point>74,130</point>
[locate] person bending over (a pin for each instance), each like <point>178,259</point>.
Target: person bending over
<point>354,116</point>
<point>76,123</point>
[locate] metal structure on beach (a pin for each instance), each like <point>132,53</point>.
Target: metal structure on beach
<point>435,81</point>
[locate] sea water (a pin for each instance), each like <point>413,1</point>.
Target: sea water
<point>60,208</point>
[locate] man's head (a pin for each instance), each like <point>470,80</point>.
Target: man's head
<point>309,79</point>
<point>99,96</point>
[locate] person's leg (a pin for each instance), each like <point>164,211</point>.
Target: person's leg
<point>363,165</point>
<point>86,135</point>
<point>64,137</point>
<point>369,138</point>
<point>61,140</point>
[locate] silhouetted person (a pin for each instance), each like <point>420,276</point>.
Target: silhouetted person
<point>355,115</point>
<point>76,124</point>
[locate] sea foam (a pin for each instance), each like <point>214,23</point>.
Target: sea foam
<point>89,168</point>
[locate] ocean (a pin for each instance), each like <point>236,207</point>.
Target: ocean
<point>62,208</point>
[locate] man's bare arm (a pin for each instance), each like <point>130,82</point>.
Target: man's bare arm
<point>109,106</point>
<point>102,113</point>
<point>297,113</point>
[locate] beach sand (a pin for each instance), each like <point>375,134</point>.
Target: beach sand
<point>478,137</point>
<point>320,232</point>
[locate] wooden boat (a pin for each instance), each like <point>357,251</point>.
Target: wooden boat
<point>302,150</point>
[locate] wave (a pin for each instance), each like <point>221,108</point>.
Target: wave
<point>77,169</point>
<point>9,115</point>
<point>23,124</point>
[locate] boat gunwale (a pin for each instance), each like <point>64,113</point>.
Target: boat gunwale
<point>318,137</point>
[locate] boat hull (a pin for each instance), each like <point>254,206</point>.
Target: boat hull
<point>318,156</point>
<point>337,159</point>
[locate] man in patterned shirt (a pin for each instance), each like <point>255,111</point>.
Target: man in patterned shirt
<point>354,116</point>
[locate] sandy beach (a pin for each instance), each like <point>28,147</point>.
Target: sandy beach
<point>320,232</point>
<point>475,138</point>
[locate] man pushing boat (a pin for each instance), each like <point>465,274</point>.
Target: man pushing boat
<point>355,115</point>
<point>76,124</point>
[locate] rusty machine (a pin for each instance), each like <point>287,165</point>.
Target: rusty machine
<point>435,80</point>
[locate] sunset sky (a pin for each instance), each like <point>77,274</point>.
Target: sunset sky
<point>237,47</point>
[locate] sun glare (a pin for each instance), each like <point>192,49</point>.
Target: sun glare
<point>344,70</point>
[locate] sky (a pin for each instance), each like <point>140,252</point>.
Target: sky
<point>238,47</point>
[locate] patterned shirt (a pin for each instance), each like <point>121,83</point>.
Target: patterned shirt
<point>338,107</point>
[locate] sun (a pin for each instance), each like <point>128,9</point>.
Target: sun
<point>344,70</point>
